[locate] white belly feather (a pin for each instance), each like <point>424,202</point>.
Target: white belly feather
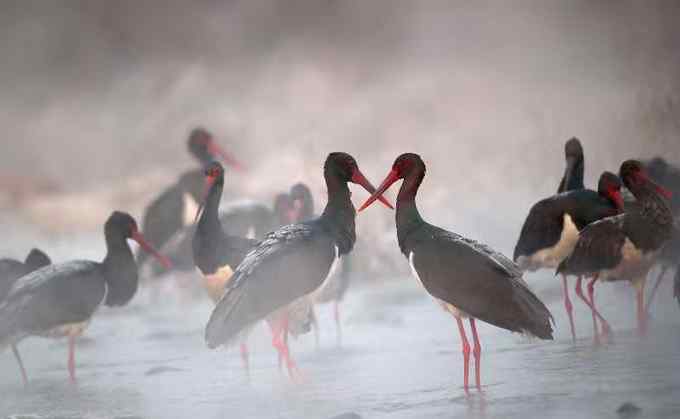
<point>216,283</point>
<point>552,256</point>
<point>189,209</point>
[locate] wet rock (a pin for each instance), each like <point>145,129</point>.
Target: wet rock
<point>161,370</point>
<point>628,410</point>
<point>347,416</point>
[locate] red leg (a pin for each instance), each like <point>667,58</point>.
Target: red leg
<point>245,358</point>
<point>605,325</point>
<point>279,341</point>
<point>641,314</point>
<point>569,307</point>
<point>591,297</point>
<point>72,358</point>
<point>338,324</point>
<point>579,292</point>
<point>477,351</point>
<point>21,364</point>
<point>466,353</point>
<point>655,288</point>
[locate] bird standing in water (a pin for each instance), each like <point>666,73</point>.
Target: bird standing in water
<point>59,300</point>
<point>291,262</point>
<point>469,279</point>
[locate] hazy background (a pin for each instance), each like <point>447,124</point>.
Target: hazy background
<point>97,99</point>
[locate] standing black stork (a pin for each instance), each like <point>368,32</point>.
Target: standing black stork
<point>550,231</point>
<point>10,271</point>
<point>176,206</point>
<point>573,174</point>
<point>668,175</point>
<point>291,262</point>
<point>60,300</point>
<point>467,278</point>
<point>216,253</point>
<point>625,247</point>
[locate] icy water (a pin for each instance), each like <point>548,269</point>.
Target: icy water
<point>400,358</point>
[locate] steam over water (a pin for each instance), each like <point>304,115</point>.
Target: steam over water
<point>98,98</point>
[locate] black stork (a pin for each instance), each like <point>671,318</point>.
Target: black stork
<point>175,207</point>
<point>10,271</point>
<point>59,300</point>
<point>550,231</point>
<point>668,175</point>
<point>291,262</point>
<point>573,174</point>
<point>467,278</point>
<point>216,253</point>
<point>624,247</point>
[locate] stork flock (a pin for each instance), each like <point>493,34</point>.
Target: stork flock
<point>260,264</point>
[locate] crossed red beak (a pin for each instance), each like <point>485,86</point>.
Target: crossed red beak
<point>392,177</point>
<point>139,238</point>
<point>360,179</point>
<point>217,151</point>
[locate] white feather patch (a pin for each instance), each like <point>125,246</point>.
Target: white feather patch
<point>189,208</point>
<point>216,283</point>
<point>552,256</point>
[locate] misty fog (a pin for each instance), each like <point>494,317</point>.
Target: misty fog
<point>98,97</point>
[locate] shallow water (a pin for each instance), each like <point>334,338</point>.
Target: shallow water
<point>400,358</point>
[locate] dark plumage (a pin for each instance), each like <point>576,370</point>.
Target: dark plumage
<point>291,262</point>
<point>467,277</point>
<point>573,173</point>
<point>59,300</point>
<point>545,224</point>
<point>12,269</point>
<point>624,247</point>
<point>174,207</point>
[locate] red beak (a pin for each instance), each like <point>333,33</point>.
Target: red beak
<point>137,236</point>
<point>209,182</point>
<point>392,177</point>
<point>217,151</point>
<point>360,179</point>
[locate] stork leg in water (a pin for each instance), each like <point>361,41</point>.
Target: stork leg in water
<point>591,297</point>
<point>605,325</point>
<point>279,329</point>
<point>659,278</point>
<point>466,353</point>
<point>315,325</point>
<point>72,358</point>
<point>641,313</point>
<point>477,352</point>
<point>21,364</point>
<point>338,325</point>
<point>569,307</point>
<point>245,358</point>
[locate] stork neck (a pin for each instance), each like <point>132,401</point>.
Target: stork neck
<point>120,271</point>
<point>573,177</point>
<point>338,216</point>
<point>408,217</point>
<point>209,220</point>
